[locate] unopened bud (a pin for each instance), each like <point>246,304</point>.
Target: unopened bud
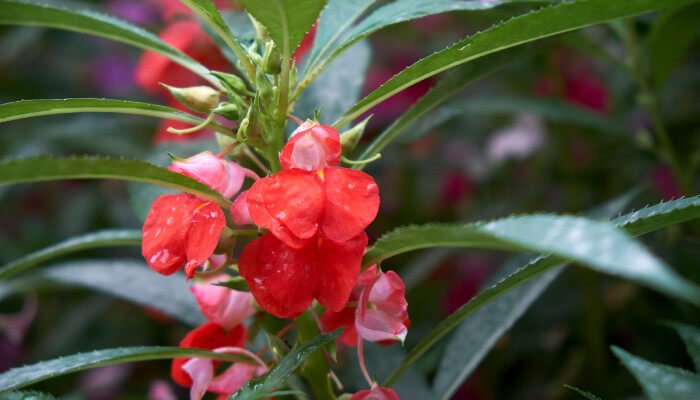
<point>233,84</point>
<point>272,60</point>
<point>228,110</point>
<point>350,138</point>
<point>200,99</point>
<point>265,91</point>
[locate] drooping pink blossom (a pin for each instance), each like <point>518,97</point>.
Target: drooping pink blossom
<point>224,176</point>
<point>311,147</point>
<point>376,393</point>
<point>223,306</point>
<point>382,313</point>
<point>239,210</point>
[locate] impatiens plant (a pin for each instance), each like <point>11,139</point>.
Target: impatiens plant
<point>280,275</point>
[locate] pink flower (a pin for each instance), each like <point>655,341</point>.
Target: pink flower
<point>201,371</point>
<point>311,147</point>
<point>223,306</point>
<point>382,311</point>
<point>161,390</point>
<point>376,393</point>
<point>239,210</point>
<point>222,175</point>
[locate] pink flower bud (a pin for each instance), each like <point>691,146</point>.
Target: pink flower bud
<point>226,177</point>
<point>311,147</point>
<point>223,306</point>
<point>377,393</point>
<point>382,311</point>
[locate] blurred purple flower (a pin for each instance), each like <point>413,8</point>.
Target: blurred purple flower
<point>135,11</point>
<point>161,390</point>
<point>15,326</point>
<point>104,382</point>
<point>112,74</point>
<point>518,141</point>
<point>665,184</point>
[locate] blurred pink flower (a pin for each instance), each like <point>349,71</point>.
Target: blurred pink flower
<point>664,183</point>
<point>517,141</point>
<point>15,326</point>
<point>161,390</point>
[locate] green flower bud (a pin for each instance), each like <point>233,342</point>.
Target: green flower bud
<point>234,85</point>
<point>350,138</point>
<point>272,60</point>
<point>228,110</point>
<point>265,90</point>
<point>200,99</point>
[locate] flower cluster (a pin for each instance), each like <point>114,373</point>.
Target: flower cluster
<point>316,213</point>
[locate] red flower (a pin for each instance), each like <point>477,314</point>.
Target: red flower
<point>181,229</point>
<point>285,280</point>
<point>376,393</point>
<point>295,205</point>
<point>208,336</point>
<point>311,147</point>
<point>305,44</point>
<point>187,36</point>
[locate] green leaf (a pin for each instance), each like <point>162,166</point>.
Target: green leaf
<point>206,10</point>
<point>660,382</point>
<point>554,110</point>
<point>335,19</point>
<point>691,338</point>
<point>36,169</point>
<point>31,395</point>
<point>338,87</point>
<point>636,223</point>
<point>116,237</point>
<point>393,13</point>
<point>130,280</point>
<point>36,108</point>
<point>477,335</point>
<point>287,20</point>
<point>259,387</point>
<point>596,244</point>
<point>13,12</point>
<point>438,94</point>
<point>548,21</point>
<point>24,376</point>
<point>235,283</point>
<point>582,393</point>
<point>670,38</point>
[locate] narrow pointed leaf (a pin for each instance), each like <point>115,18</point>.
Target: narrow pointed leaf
<point>36,169</point>
<point>583,393</point>
<point>691,338</point>
<point>24,376</point>
<point>14,12</point>
<point>260,387</point>
<point>548,21</point>
<point>335,19</point>
<point>107,238</point>
<point>660,382</point>
<point>287,20</point>
<point>129,280</point>
<point>637,223</point>
<point>36,108</point>
<point>30,395</point>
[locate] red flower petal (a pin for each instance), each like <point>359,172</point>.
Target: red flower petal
<point>289,204</point>
<point>281,278</point>
<point>311,147</point>
<point>338,265</point>
<point>376,393</point>
<point>352,202</point>
<point>344,318</point>
<point>180,228</point>
<point>207,337</point>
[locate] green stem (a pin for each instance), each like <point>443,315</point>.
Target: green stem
<point>315,368</point>
<point>649,101</point>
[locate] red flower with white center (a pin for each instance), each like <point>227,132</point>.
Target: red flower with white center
<point>382,313</point>
<point>181,230</point>
<point>198,373</point>
<point>285,280</point>
<point>296,205</point>
<point>311,147</point>
<point>226,307</point>
<point>377,393</point>
<point>224,176</point>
